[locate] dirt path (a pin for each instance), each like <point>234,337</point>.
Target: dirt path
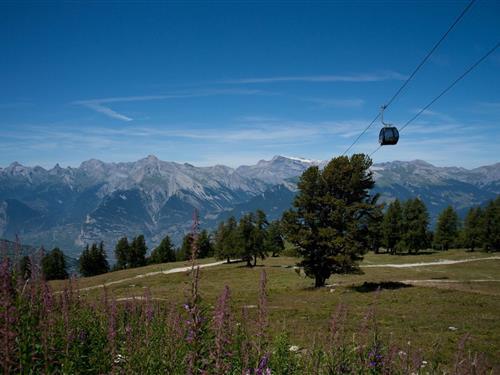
<point>444,281</point>
<point>141,276</point>
<point>187,268</point>
<point>435,263</point>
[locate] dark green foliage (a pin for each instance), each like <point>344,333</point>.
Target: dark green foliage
<point>446,235</point>
<point>328,223</point>
<point>25,267</point>
<point>54,265</point>
<point>415,226</point>
<point>260,235</point>
<point>251,237</point>
<point>164,252</point>
<point>373,223</point>
<point>473,231</point>
<point>138,250</point>
<point>204,246</point>
<point>130,255</point>
<point>245,237</point>
<point>226,238</point>
<point>122,250</point>
<point>93,260</point>
<point>492,225</point>
<point>186,250</point>
<point>392,226</point>
<point>274,240</point>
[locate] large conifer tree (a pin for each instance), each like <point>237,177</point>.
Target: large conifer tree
<point>492,225</point>
<point>93,260</point>
<point>226,239</point>
<point>392,226</point>
<point>473,230</point>
<point>415,222</point>
<point>54,265</point>
<point>122,253</point>
<point>326,222</point>
<point>274,240</point>
<point>138,250</point>
<point>164,252</point>
<point>446,235</point>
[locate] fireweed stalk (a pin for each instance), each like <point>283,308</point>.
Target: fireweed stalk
<point>222,327</point>
<point>8,317</point>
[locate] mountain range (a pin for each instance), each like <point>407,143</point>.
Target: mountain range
<point>69,207</point>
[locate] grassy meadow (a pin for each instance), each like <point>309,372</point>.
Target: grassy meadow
<point>429,307</point>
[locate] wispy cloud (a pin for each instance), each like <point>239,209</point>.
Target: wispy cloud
<point>336,103</point>
<point>362,77</point>
<point>438,115</point>
<point>101,105</point>
<point>486,107</point>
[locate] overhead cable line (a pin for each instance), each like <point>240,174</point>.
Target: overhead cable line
<point>448,88</point>
<point>396,94</point>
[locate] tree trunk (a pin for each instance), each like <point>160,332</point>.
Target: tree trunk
<point>319,282</point>
<point>255,260</point>
<point>249,264</point>
<point>228,260</point>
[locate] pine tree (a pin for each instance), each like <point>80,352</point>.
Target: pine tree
<point>226,240</point>
<point>204,245</point>
<point>492,225</point>
<point>274,239</point>
<point>101,259</point>
<point>330,206</point>
<point>219,236</point>
<point>186,249</point>
<point>473,228</point>
<point>93,261</point>
<point>415,223</point>
<point>447,229</point>
<point>373,224</point>
<point>392,226</point>
<point>85,263</point>
<point>246,238</point>
<point>122,253</point>
<point>54,265</point>
<point>164,252</point>
<point>138,250</point>
<point>259,236</point>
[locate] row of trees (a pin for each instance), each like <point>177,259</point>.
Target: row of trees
<point>251,238</point>
<point>480,228</point>
<point>52,264</point>
<point>405,227</point>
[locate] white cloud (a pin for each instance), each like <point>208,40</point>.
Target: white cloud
<point>98,105</point>
<point>362,77</point>
<point>336,103</point>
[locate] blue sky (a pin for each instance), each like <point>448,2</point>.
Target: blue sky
<point>233,82</point>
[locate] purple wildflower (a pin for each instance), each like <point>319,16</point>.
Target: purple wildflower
<point>223,331</point>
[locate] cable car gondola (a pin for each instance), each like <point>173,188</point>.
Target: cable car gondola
<point>389,134</point>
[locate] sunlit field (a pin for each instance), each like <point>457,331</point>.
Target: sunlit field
<point>429,307</point>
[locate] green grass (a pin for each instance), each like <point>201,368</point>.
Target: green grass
<point>421,313</point>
